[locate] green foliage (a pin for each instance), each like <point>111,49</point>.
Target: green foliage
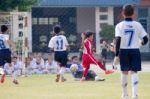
<point>21,5</point>
<point>107,32</point>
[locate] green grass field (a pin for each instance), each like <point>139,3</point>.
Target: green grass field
<point>44,87</point>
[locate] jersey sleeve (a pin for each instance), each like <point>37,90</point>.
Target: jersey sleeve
<point>66,42</point>
<point>117,31</point>
<point>51,43</point>
<point>142,31</point>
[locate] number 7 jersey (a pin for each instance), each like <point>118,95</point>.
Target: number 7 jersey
<point>130,33</point>
<point>59,43</point>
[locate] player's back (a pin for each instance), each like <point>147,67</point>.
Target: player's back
<point>59,43</point>
<point>130,33</point>
<point>3,41</point>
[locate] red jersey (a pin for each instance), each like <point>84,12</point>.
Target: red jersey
<point>87,47</point>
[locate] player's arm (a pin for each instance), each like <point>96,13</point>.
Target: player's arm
<point>145,40</point>
<point>66,44</point>
<point>51,45</point>
<point>11,44</point>
<point>118,40</point>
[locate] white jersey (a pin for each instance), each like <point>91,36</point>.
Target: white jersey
<point>3,41</point>
<point>59,43</point>
<point>130,33</point>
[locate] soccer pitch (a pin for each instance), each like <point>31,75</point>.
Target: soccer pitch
<point>44,87</point>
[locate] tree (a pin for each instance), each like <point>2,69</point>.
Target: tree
<point>107,32</point>
<point>21,5</point>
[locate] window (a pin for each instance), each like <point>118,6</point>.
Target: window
<point>103,9</point>
<point>103,17</point>
<point>143,17</point>
<point>103,24</point>
<point>20,18</point>
<point>20,25</point>
<point>53,20</point>
<point>34,21</point>
<point>43,20</point>
<point>20,34</point>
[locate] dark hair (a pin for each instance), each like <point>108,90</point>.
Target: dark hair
<point>128,10</point>
<point>4,28</point>
<point>73,57</point>
<point>57,29</point>
<point>88,34</point>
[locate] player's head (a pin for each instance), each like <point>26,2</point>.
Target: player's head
<point>4,28</point>
<point>57,29</point>
<point>89,35</point>
<point>128,11</point>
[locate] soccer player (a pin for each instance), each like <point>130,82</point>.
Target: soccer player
<point>127,33</point>
<point>59,44</point>
<point>88,58</point>
<point>5,53</point>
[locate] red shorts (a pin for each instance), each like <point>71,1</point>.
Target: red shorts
<point>87,60</point>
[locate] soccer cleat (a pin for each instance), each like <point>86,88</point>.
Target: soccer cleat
<point>57,77</point>
<point>97,78</point>
<point>3,78</point>
<point>125,97</point>
<point>15,82</point>
<point>63,79</point>
<point>109,71</point>
<point>135,97</point>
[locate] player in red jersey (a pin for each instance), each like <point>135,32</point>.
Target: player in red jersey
<point>88,58</point>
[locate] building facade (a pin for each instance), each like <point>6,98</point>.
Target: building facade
<point>77,16</point>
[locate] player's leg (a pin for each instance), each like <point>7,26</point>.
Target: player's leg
<point>14,77</point>
<point>135,82</point>
<point>125,66</point>
<point>124,83</point>
<point>136,66</point>
<point>2,62</point>
<point>85,71</point>
<point>99,63</point>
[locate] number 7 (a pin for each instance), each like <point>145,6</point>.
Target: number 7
<point>130,33</point>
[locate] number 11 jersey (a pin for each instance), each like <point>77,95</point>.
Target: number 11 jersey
<point>59,43</point>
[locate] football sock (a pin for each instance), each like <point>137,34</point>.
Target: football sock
<point>62,71</point>
<point>124,82</point>
<point>135,81</point>
<point>2,71</point>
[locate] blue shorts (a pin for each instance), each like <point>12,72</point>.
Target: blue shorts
<point>5,56</point>
<point>61,57</point>
<point>130,60</point>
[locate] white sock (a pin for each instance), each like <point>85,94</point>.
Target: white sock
<point>135,81</point>
<point>2,71</point>
<point>14,76</point>
<point>124,82</point>
<point>62,71</point>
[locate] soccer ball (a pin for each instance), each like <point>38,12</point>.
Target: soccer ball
<point>73,67</point>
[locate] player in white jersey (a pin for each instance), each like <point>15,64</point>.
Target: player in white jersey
<point>128,33</point>
<point>59,44</point>
<point>5,53</point>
